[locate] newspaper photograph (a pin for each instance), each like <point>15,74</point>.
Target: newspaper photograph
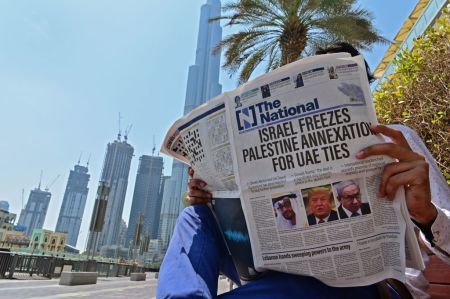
<point>286,143</point>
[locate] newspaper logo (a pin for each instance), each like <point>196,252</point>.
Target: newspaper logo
<point>246,118</point>
<point>267,112</point>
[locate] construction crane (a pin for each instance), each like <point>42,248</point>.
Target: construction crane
<point>127,131</point>
<point>154,146</point>
<point>120,129</point>
<point>23,195</point>
<point>51,184</point>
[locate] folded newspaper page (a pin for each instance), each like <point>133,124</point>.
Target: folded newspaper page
<point>201,140</point>
<point>286,143</point>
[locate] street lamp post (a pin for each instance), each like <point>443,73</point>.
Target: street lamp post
<point>98,216</point>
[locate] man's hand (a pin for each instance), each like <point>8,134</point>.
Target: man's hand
<point>411,171</point>
<point>196,192</point>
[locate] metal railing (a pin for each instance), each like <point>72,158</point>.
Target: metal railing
<point>13,265</point>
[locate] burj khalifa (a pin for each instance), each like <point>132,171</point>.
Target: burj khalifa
<point>202,85</point>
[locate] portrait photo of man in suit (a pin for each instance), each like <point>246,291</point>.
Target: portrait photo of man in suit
<point>349,197</point>
<point>320,204</point>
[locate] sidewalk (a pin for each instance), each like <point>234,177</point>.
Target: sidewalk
<point>112,287</point>
<point>117,287</point>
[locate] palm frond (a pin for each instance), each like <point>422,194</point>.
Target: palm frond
<point>276,32</point>
<point>250,65</point>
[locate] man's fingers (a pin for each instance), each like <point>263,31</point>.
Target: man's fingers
<point>395,168</point>
<point>396,181</point>
<point>199,193</point>
<point>196,184</point>
<point>389,149</point>
<point>198,200</point>
<point>196,193</point>
<point>191,172</point>
<point>198,197</point>
<point>396,136</point>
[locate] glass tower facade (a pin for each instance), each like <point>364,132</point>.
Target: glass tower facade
<point>146,198</point>
<point>116,168</point>
<point>33,215</point>
<point>74,201</point>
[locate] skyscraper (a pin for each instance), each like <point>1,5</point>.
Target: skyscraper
<point>203,84</point>
<point>116,168</point>
<point>74,201</point>
<point>146,197</point>
<point>203,77</point>
<point>33,216</point>
<point>122,233</point>
<point>161,195</point>
<point>169,213</point>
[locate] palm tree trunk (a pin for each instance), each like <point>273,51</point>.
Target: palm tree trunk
<point>292,41</point>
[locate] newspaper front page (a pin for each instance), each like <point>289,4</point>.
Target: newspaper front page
<point>286,142</point>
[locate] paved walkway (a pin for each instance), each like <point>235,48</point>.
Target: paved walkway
<point>117,287</point>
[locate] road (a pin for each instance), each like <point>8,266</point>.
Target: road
<point>117,287</point>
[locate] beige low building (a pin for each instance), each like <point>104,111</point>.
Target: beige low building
<point>7,220</point>
<point>48,241</point>
<point>12,239</point>
<point>9,237</point>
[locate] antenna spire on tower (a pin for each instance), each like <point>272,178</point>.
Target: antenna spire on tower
<point>40,180</point>
<point>154,146</point>
<point>23,193</point>
<point>119,135</point>
<point>89,159</point>
<point>79,158</point>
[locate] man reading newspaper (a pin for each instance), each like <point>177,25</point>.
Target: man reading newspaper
<point>197,252</point>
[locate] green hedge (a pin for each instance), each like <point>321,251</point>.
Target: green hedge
<point>418,93</point>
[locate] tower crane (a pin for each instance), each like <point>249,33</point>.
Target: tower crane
<point>51,184</point>
<point>127,131</point>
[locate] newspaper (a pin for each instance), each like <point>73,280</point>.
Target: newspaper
<point>285,143</point>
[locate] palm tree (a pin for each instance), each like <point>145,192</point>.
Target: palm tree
<point>278,32</point>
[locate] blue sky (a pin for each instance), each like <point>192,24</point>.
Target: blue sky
<point>67,68</point>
